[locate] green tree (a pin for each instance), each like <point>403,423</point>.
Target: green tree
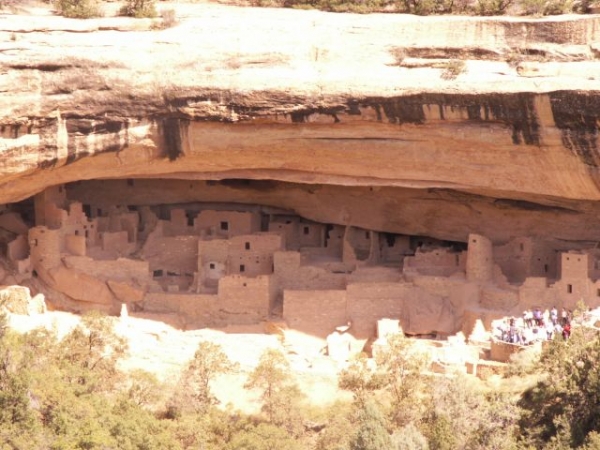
<point>409,438</point>
<point>564,407</point>
<point>338,428</point>
<point>462,416</point>
<point>280,394</point>
<point>209,362</point>
<point>19,424</point>
<point>88,355</point>
<point>361,378</point>
<point>264,436</point>
<point>371,433</point>
<point>401,368</point>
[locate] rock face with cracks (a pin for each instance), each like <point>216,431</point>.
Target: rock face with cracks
<point>358,121</point>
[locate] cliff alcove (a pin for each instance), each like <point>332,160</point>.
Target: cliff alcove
<point>125,150</point>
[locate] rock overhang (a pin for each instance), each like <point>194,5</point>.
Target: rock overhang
<point>316,115</point>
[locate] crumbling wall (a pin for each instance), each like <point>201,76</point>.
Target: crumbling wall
<point>48,204</point>
<point>177,254</point>
<point>44,245</point>
<point>18,248</point>
<point>212,262</point>
<point>369,302</point>
<point>393,247</point>
<point>245,300</point>
<point>179,224</point>
<point>195,310</point>
<point>290,274</point>
<point>440,262</point>
<point>298,233</point>
<point>252,255</point>
<point>317,313</point>
<point>356,245</point>
<point>226,224</point>
<point>535,292</point>
<point>121,269</point>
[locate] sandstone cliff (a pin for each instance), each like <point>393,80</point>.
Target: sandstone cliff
<point>344,119</point>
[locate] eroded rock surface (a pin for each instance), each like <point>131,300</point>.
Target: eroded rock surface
<point>355,125</point>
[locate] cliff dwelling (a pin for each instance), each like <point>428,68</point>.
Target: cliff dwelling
<point>300,183</point>
<point>202,254</point>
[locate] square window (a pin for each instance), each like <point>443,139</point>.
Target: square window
<point>211,265</point>
<point>225,226</point>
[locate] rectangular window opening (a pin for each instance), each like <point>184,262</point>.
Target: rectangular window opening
<point>157,273</point>
<point>225,226</point>
<point>242,268</point>
<point>211,266</point>
<point>247,245</point>
<point>306,230</point>
<point>569,288</point>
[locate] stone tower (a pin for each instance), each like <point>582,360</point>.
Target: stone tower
<point>480,262</point>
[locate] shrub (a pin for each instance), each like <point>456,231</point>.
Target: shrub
<point>169,19</point>
<point>409,438</point>
<point>546,7</point>
<point>453,69</point>
<point>565,405</point>
<point>78,9</point>
<point>492,7</point>
<point>139,9</point>
<point>371,433</point>
<point>425,7</point>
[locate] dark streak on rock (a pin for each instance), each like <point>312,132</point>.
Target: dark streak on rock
<point>515,110</point>
<point>577,115</point>
<point>363,139</point>
<point>174,130</point>
<point>256,185</point>
<point>531,206</point>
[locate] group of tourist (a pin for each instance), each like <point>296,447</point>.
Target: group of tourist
<point>536,325</point>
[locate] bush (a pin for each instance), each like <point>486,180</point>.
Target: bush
<point>78,9</point>
<point>492,7</point>
<point>169,19</point>
<point>371,433</point>
<point>564,406</point>
<point>546,7</point>
<point>139,9</point>
<point>453,69</point>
